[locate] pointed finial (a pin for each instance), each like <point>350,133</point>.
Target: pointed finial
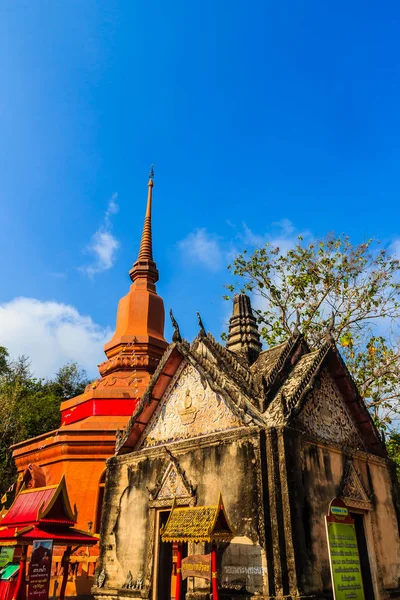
<point>145,266</point>
<point>202,330</point>
<point>176,336</point>
<point>151,174</point>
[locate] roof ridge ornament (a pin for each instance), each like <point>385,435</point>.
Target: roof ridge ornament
<point>201,325</point>
<point>176,336</point>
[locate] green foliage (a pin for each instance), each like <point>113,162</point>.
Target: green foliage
<point>352,290</point>
<point>30,406</point>
<point>393,448</point>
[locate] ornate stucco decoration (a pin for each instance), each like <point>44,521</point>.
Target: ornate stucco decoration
<point>173,485</point>
<point>325,416</point>
<point>188,409</point>
<point>352,489</point>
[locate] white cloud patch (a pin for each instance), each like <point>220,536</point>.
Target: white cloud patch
<point>103,245</point>
<point>51,334</point>
<point>395,248</point>
<point>203,248</point>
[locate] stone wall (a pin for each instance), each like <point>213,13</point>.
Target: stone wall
<point>365,481</point>
<point>276,485</point>
<point>229,462</point>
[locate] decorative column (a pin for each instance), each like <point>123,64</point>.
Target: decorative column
<point>178,589</point>
<point>65,564</point>
<point>214,572</point>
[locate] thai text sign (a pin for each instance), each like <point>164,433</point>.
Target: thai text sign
<point>39,570</point>
<point>343,553</point>
<point>197,565</point>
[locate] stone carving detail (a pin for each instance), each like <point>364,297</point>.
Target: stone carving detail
<point>101,578</point>
<point>172,485</point>
<point>352,488</point>
<point>128,581</point>
<point>188,409</point>
<point>325,415</point>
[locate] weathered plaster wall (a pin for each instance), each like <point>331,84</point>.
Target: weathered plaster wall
<point>229,463</point>
<point>323,470</point>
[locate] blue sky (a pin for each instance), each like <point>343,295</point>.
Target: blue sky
<point>262,119</point>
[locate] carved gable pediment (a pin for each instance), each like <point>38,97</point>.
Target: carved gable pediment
<point>325,416</point>
<point>352,489</point>
<point>173,486</point>
<point>189,408</point>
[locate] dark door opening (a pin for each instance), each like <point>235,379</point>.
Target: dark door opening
<point>364,558</point>
<point>166,580</point>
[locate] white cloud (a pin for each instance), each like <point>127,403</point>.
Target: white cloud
<point>282,235</point>
<point>103,244</point>
<point>214,253</point>
<point>203,248</point>
<point>51,334</point>
<point>112,209</point>
<point>395,248</point>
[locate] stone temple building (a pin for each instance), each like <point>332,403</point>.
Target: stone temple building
<point>279,433</point>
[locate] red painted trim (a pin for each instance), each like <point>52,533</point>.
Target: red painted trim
<point>214,572</point>
<point>178,589</point>
<point>99,407</point>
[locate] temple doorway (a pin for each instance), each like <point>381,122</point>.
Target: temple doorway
<point>364,557</point>
<point>166,568</point>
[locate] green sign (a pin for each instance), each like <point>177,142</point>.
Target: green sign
<point>345,561</point>
<point>339,511</point>
<point>6,555</point>
<point>9,571</point>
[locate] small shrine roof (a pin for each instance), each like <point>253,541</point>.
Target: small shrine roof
<point>26,535</point>
<point>37,504</point>
<point>198,524</point>
<point>43,513</point>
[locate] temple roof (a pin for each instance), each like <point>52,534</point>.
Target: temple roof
<point>269,393</point>
<point>198,524</point>
<point>50,503</point>
<point>42,513</point>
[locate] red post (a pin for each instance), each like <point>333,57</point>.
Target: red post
<point>20,588</point>
<point>65,564</point>
<point>214,572</point>
<point>178,588</point>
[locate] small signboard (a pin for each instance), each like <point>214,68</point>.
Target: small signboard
<point>40,569</point>
<point>6,555</point>
<point>197,565</point>
<point>9,571</point>
<point>343,553</point>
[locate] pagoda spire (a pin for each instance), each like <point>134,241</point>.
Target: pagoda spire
<point>145,267</point>
<point>146,243</point>
<point>138,342</point>
<point>243,335</point>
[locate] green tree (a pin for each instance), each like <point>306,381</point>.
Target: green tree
<point>352,290</point>
<point>69,381</point>
<point>30,406</point>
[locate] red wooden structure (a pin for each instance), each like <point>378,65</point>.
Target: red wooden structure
<point>42,513</point>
